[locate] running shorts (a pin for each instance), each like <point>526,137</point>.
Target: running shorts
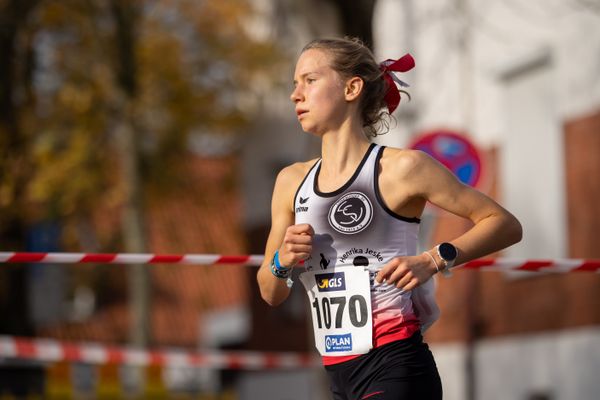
<point>401,370</point>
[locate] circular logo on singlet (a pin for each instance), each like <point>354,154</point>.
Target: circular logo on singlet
<point>351,213</point>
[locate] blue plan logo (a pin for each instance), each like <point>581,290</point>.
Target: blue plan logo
<point>338,342</point>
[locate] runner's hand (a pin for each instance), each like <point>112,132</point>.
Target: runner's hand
<point>407,273</point>
<point>297,244</point>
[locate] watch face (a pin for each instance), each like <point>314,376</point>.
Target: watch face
<point>447,251</point>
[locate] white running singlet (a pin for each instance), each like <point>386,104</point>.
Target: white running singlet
<point>355,228</point>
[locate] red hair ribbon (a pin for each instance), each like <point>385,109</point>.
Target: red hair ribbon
<point>403,64</point>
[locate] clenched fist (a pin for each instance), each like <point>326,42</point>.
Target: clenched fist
<point>297,244</point>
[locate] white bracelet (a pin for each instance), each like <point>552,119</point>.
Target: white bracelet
<point>434,262</point>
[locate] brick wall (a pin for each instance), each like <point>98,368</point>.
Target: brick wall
<point>484,304</point>
<point>582,153</point>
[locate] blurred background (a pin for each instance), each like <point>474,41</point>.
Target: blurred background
<point>159,126</point>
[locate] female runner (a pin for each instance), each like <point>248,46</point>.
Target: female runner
<point>350,219</point>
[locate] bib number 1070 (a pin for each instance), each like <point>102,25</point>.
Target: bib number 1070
<point>357,310</point>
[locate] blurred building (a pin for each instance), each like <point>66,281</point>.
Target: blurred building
<point>518,80</point>
<point>521,81</point>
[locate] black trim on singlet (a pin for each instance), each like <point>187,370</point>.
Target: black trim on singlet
<point>415,220</point>
<point>302,183</point>
<point>347,184</point>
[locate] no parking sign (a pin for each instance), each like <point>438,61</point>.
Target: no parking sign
<point>454,151</point>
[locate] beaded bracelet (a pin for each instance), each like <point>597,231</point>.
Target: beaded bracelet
<point>281,274</point>
<point>280,271</point>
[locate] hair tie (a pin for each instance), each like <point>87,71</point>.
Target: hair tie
<point>403,64</point>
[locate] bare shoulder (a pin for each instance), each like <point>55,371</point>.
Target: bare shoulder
<point>288,181</point>
<point>295,171</point>
<point>417,172</point>
<point>293,174</point>
<point>405,162</point>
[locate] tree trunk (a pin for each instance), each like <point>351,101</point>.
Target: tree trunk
<point>13,302</point>
<point>125,16</point>
<point>357,18</point>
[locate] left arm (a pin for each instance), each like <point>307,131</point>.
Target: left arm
<point>494,227</point>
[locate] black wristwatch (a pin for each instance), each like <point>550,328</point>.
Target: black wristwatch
<point>447,253</point>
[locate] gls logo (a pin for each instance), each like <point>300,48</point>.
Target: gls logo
<point>331,282</point>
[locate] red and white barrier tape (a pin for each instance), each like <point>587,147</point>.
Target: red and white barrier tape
<point>497,264</point>
<point>129,258</point>
<point>558,265</point>
<point>50,350</point>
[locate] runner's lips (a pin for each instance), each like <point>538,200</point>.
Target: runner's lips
<point>299,112</point>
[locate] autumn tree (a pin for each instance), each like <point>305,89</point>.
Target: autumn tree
<point>99,98</point>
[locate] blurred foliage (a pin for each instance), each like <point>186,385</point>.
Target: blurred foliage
<point>196,65</point>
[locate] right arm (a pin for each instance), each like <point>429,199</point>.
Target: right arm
<point>294,242</point>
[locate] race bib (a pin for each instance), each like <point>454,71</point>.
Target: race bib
<point>340,301</point>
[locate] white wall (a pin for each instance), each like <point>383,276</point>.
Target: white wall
<point>450,361</point>
<point>474,73</point>
<point>532,166</point>
<point>564,365</point>
<point>284,385</point>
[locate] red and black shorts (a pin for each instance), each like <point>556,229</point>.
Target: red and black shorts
<point>404,369</point>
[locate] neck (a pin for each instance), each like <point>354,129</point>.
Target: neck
<point>343,149</point>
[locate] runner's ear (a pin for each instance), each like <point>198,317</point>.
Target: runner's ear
<point>353,88</point>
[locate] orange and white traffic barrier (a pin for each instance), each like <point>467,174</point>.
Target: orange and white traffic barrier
<point>51,351</point>
<point>487,264</point>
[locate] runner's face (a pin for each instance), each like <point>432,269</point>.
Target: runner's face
<point>318,93</point>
